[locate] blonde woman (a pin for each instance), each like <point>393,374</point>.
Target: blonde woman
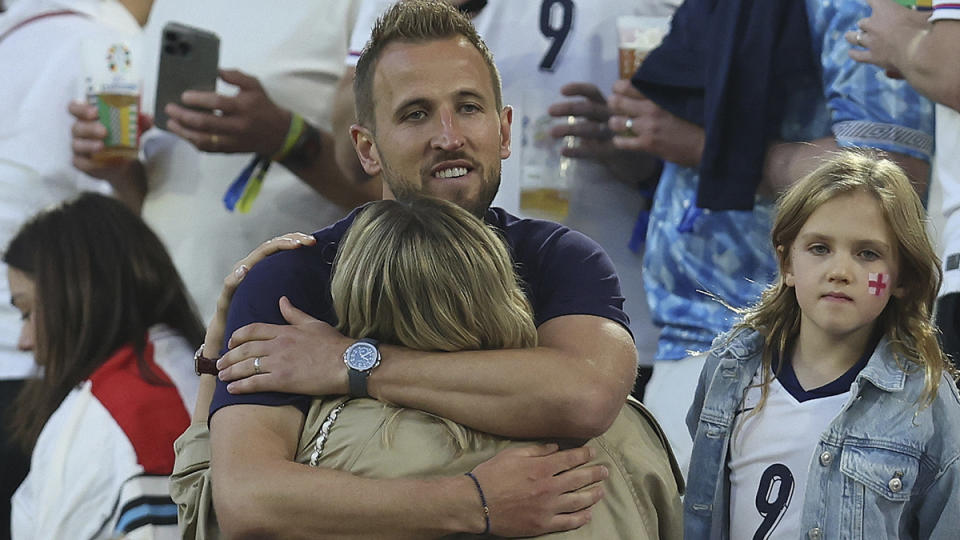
<point>428,275</point>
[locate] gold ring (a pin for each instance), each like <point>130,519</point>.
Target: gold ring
<point>215,140</point>
<point>256,366</point>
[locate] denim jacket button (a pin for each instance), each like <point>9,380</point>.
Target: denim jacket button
<point>895,485</point>
<point>826,459</point>
<point>814,533</point>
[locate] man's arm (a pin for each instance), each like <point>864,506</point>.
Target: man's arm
<point>572,385</point>
<point>787,162</point>
<point>660,133</point>
<point>252,122</point>
<point>901,40</point>
<point>261,493</point>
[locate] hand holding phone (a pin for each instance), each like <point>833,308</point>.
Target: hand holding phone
<point>189,59</point>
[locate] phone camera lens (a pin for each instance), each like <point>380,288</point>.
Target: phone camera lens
<point>184,48</point>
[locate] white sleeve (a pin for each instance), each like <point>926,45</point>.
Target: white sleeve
<point>945,9</point>
<point>78,466</point>
<point>367,15</point>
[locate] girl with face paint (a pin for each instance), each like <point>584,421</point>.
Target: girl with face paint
<point>829,410</point>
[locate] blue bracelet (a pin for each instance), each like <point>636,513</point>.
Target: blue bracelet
<point>483,501</point>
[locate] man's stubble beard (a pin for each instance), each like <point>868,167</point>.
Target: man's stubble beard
<point>490,185</point>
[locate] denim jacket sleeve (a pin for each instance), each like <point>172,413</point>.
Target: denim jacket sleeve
<point>938,512</point>
<point>706,374</point>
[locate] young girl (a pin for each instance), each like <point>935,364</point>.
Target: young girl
<point>827,412</point>
<point>427,274</point>
<point>109,324</point>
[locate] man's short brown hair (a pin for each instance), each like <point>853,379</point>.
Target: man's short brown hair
<point>414,21</point>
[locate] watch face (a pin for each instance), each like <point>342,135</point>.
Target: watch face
<point>362,356</point>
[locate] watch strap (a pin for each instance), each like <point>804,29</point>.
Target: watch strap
<point>357,380</point>
<point>358,383</point>
<point>203,365</point>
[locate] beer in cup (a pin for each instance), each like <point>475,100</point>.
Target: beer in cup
<point>113,86</point>
<point>638,35</point>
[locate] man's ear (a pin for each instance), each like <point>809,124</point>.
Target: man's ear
<point>506,120</point>
<point>366,147</point>
<point>786,271</point>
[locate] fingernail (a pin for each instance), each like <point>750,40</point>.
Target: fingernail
<point>592,452</point>
<point>604,471</point>
<point>241,271</point>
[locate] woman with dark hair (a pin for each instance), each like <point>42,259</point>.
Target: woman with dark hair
<point>109,323</point>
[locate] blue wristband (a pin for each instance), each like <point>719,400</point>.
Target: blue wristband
<point>483,501</point>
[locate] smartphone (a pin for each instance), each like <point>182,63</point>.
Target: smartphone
<point>189,58</point>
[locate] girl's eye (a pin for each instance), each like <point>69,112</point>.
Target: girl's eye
<point>819,249</point>
<point>869,255</point>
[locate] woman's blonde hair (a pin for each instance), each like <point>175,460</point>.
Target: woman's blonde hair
<point>907,319</point>
<point>426,274</point>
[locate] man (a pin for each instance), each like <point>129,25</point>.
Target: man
<point>919,47</point>
<point>430,121</point>
<point>542,48</point>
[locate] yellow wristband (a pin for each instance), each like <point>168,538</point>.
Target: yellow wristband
<point>293,137</point>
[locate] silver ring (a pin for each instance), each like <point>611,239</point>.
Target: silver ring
<point>859,38</point>
<point>256,366</point>
<point>628,128</point>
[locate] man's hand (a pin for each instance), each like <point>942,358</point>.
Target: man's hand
<point>247,122</point>
<point>593,135</point>
<point>537,490</point>
<point>889,36</point>
<point>303,357</point>
<point>654,130</point>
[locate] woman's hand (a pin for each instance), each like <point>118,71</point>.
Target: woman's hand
<point>215,330</point>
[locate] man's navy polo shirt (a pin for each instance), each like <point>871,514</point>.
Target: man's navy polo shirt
<point>563,272</point>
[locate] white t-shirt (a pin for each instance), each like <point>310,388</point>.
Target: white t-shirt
<point>770,455</point>
<point>100,467</point>
<point>947,171</point>
<point>601,207</point>
<point>296,49</point>
<point>35,156</point>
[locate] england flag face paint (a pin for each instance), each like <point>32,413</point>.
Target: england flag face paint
<point>877,283</point>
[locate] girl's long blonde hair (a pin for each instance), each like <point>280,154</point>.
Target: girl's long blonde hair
<point>426,274</point>
<point>907,320</point>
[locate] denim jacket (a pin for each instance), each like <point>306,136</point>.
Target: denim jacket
<point>881,469</point>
